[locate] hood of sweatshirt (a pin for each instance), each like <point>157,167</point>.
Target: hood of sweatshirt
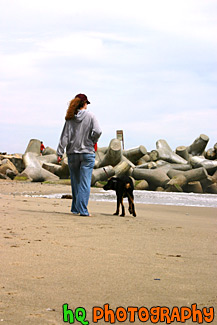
<point>80,115</point>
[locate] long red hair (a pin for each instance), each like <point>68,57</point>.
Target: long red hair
<point>74,105</point>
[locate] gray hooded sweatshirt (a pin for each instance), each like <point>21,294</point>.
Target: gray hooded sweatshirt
<point>79,134</point>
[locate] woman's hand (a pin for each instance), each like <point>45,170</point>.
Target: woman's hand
<point>59,159</point>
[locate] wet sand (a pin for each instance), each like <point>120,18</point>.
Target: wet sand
<point>166,256</point>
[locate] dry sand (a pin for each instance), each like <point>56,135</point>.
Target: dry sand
<point>166,256</point>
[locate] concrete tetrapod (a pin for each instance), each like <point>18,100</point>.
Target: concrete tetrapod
<point>206,182</point>
<point>113,154</point>
<point>48,159</point>
<point>200,161</point>
<point>53,168</point>
<point>180,178</point>
<point>166,167</point>
<point>48,151</point>
<point>123,167</point>
<point>191,175</point>
<point>142,185</point>
<point>166,153</point>
<point>198,146</point>
<point>135,154</point>
<point>34,170</point>
<point>210,154</point>
<point>34,146</point>
<point>102,174</point>
<point>154,155</point>
<point>103,149</point>
<point>214,177</point>
<point>61,170</point>
<point>154,177</point>
<point>182,152</point>
<point>194,187</point>
<point>179,166</point>
<point>148,165</point>
<point>212,189</point>
<point>146,158</point>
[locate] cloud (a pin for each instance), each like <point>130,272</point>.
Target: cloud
<point>82,45</point>
<point>194,19</point>
<point>149,67</point>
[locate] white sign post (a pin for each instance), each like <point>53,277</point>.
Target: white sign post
<point>120,136</point>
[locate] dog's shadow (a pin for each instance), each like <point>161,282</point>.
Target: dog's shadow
<point>107,214</point>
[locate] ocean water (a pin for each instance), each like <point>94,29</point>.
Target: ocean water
<point>150,197</point>
<point>164,198</point>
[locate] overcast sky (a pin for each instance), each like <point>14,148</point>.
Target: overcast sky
<point>148,67</point>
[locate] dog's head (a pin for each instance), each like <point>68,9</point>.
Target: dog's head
<point>111,185</point>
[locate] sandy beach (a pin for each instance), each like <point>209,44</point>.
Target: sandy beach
<point>166,256</point>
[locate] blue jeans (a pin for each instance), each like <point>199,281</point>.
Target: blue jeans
<point>80,167</point>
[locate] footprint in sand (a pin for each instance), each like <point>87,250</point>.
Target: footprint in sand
<point>11,293</point>
<point>178,255</point>
<point>36,315</point>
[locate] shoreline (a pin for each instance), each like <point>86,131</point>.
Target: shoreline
<point>47,190</point>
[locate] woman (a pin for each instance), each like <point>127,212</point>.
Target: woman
<point>80,133</point>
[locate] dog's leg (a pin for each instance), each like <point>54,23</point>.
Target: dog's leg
<point>131,204</point>
<point>122,206</point>
<point>118,205</point>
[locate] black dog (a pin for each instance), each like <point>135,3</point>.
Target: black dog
<point>124,188</point>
